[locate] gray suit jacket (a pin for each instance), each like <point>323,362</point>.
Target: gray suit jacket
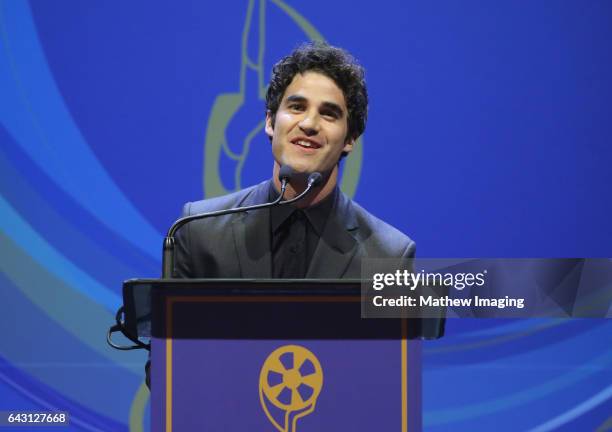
<point>238,245</point>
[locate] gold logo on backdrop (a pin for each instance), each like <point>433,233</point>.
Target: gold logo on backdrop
<point>290,380</point>
<point>227,106</point>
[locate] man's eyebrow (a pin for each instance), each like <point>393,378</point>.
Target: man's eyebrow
<point>295,98</point>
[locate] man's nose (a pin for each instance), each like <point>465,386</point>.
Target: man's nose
<point>310,124</point>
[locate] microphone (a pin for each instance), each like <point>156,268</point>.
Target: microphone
<point>284,175</point>
<point>314,179</point>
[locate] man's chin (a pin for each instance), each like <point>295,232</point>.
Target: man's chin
<point>303,169</point>
<point>300,167</point>
<point>303,165</point>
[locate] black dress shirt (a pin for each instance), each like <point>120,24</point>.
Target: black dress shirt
<point>296,234</point>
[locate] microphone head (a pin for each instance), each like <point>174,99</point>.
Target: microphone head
<point>285,173</point>
<point>315,179</point>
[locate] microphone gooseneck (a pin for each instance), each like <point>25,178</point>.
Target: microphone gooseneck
<point>284,175</point>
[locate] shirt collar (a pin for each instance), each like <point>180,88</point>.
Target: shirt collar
<point>317,214</point>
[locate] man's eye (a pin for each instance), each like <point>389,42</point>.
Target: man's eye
<point>330,114</point>
<point>296,107</point>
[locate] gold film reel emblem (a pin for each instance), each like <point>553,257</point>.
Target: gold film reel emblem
<point>291,379</point>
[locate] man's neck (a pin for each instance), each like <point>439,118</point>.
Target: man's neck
<point>297,186</point>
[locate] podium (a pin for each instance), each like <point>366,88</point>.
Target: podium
<point>275,355</point>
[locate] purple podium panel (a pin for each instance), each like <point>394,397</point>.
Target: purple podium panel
<point>287,363</point>
<point>267,385</point>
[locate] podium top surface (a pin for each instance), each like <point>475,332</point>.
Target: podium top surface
<point>242,307</point>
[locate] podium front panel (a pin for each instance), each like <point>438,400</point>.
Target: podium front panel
<point>284,361</point>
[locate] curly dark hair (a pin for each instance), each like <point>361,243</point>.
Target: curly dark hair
<point>332,62</point>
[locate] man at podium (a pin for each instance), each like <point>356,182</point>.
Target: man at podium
<point>316,109</point>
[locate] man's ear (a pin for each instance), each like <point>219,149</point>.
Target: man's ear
<point>348,146</point>
<point>269,127</point>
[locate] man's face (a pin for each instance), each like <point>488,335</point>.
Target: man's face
<point>311,125</point>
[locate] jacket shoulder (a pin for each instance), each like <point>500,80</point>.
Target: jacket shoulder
<point>380,237</point>
<point>235,199</point>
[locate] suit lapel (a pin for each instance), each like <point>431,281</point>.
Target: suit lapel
<point>337,246</point>
<point>251,232</point>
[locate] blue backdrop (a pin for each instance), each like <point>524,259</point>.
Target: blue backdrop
<point>489,136</point>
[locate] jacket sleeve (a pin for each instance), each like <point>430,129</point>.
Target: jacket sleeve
<point>183,267</point>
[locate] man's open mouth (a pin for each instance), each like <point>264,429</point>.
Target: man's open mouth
<point>306,143</point>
